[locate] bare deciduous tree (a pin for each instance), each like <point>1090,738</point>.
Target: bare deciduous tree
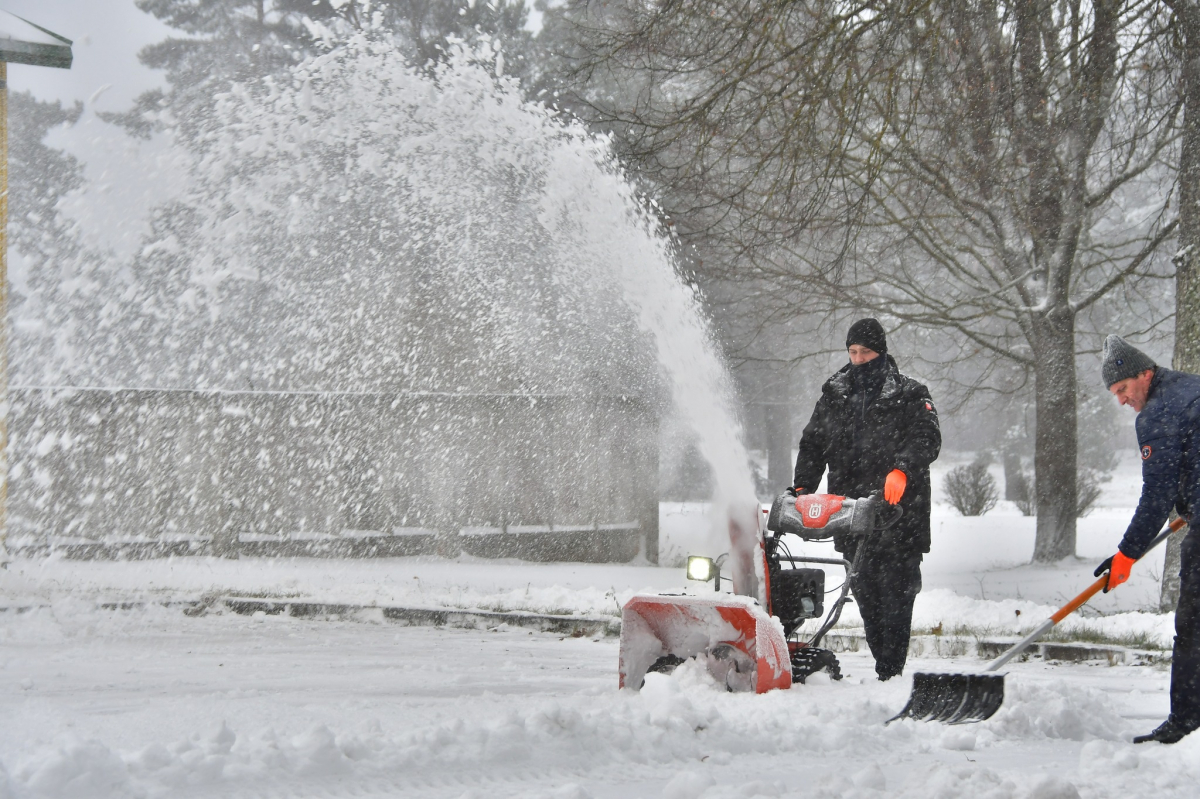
<point>1186,38</point>
<point>992,170</point>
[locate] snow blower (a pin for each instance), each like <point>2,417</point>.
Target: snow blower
<point>965,698</point>
<point>745,647</point>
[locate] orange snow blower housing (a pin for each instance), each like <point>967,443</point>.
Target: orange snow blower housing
<point>745,646</point>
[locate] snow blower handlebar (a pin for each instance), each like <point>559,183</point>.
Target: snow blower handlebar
<point>819,517</point>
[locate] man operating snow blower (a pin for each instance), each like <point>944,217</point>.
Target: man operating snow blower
<point>1167,403</point>
<point>876,429</point>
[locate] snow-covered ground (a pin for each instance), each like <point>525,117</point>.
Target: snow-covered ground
<point>150,702</point>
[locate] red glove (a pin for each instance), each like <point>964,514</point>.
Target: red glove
<point>1118,567</point>
<point>894,487</point>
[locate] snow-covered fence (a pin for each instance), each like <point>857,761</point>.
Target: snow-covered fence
<point>534,476</point>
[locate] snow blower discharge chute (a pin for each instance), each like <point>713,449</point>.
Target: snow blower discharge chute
<point>745,646</point>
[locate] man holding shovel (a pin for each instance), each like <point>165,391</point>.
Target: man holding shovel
<point>1167,403</point>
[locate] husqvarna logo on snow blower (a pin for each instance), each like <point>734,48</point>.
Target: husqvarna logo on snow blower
<point>815,509</point>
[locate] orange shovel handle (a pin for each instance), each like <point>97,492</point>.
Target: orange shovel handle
<point>1074,604</point>
<point>1101,581</point>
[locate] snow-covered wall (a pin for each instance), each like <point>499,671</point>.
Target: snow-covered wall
<point>220,467</point>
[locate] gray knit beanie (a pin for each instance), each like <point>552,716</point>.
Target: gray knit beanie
<point>1122,360</point>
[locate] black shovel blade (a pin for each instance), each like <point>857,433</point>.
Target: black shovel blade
<point>953,698</point>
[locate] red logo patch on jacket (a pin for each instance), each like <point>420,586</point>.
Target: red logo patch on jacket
<point>1146,452</point>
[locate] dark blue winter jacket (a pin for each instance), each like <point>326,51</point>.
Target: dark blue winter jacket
<point>1168,432</point>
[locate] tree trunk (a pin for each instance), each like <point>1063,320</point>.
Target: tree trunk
<point>1168,596</point>
<point>1012,474</point>
<point>781,447</point>
<point>1186,356</point>
<point>1056,437</point>
<point>1187,277</point>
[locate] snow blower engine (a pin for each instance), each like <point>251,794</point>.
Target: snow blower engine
<point>744,646</point>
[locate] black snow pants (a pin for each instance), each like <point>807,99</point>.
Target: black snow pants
<point>1185,659</point>
<point>885,587</point>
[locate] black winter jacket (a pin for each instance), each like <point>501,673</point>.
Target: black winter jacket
<point>1168,432</point>
<point>862,436</point>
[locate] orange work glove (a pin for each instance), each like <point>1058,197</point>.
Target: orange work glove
<point>1118,567</point>
<point>894,487</point>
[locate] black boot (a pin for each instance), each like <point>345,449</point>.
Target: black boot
<point>1166,733</point>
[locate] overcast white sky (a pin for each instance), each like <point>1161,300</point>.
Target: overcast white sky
<point>107,36</point>
<point>125,177</point>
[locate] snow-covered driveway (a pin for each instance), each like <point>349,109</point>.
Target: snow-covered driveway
<point>154,703</point>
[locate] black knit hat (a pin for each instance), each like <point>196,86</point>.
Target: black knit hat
<point>1122,360</point>
<point>867,333</point>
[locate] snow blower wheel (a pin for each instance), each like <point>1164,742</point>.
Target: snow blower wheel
<point>808,660</point>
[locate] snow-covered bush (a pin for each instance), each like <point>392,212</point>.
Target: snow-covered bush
<point>972,491</point>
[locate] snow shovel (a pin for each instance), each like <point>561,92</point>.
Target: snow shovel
<point>964,698</point>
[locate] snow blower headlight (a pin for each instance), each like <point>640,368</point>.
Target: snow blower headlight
<point>701,568</point>
<point>705,569</point>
